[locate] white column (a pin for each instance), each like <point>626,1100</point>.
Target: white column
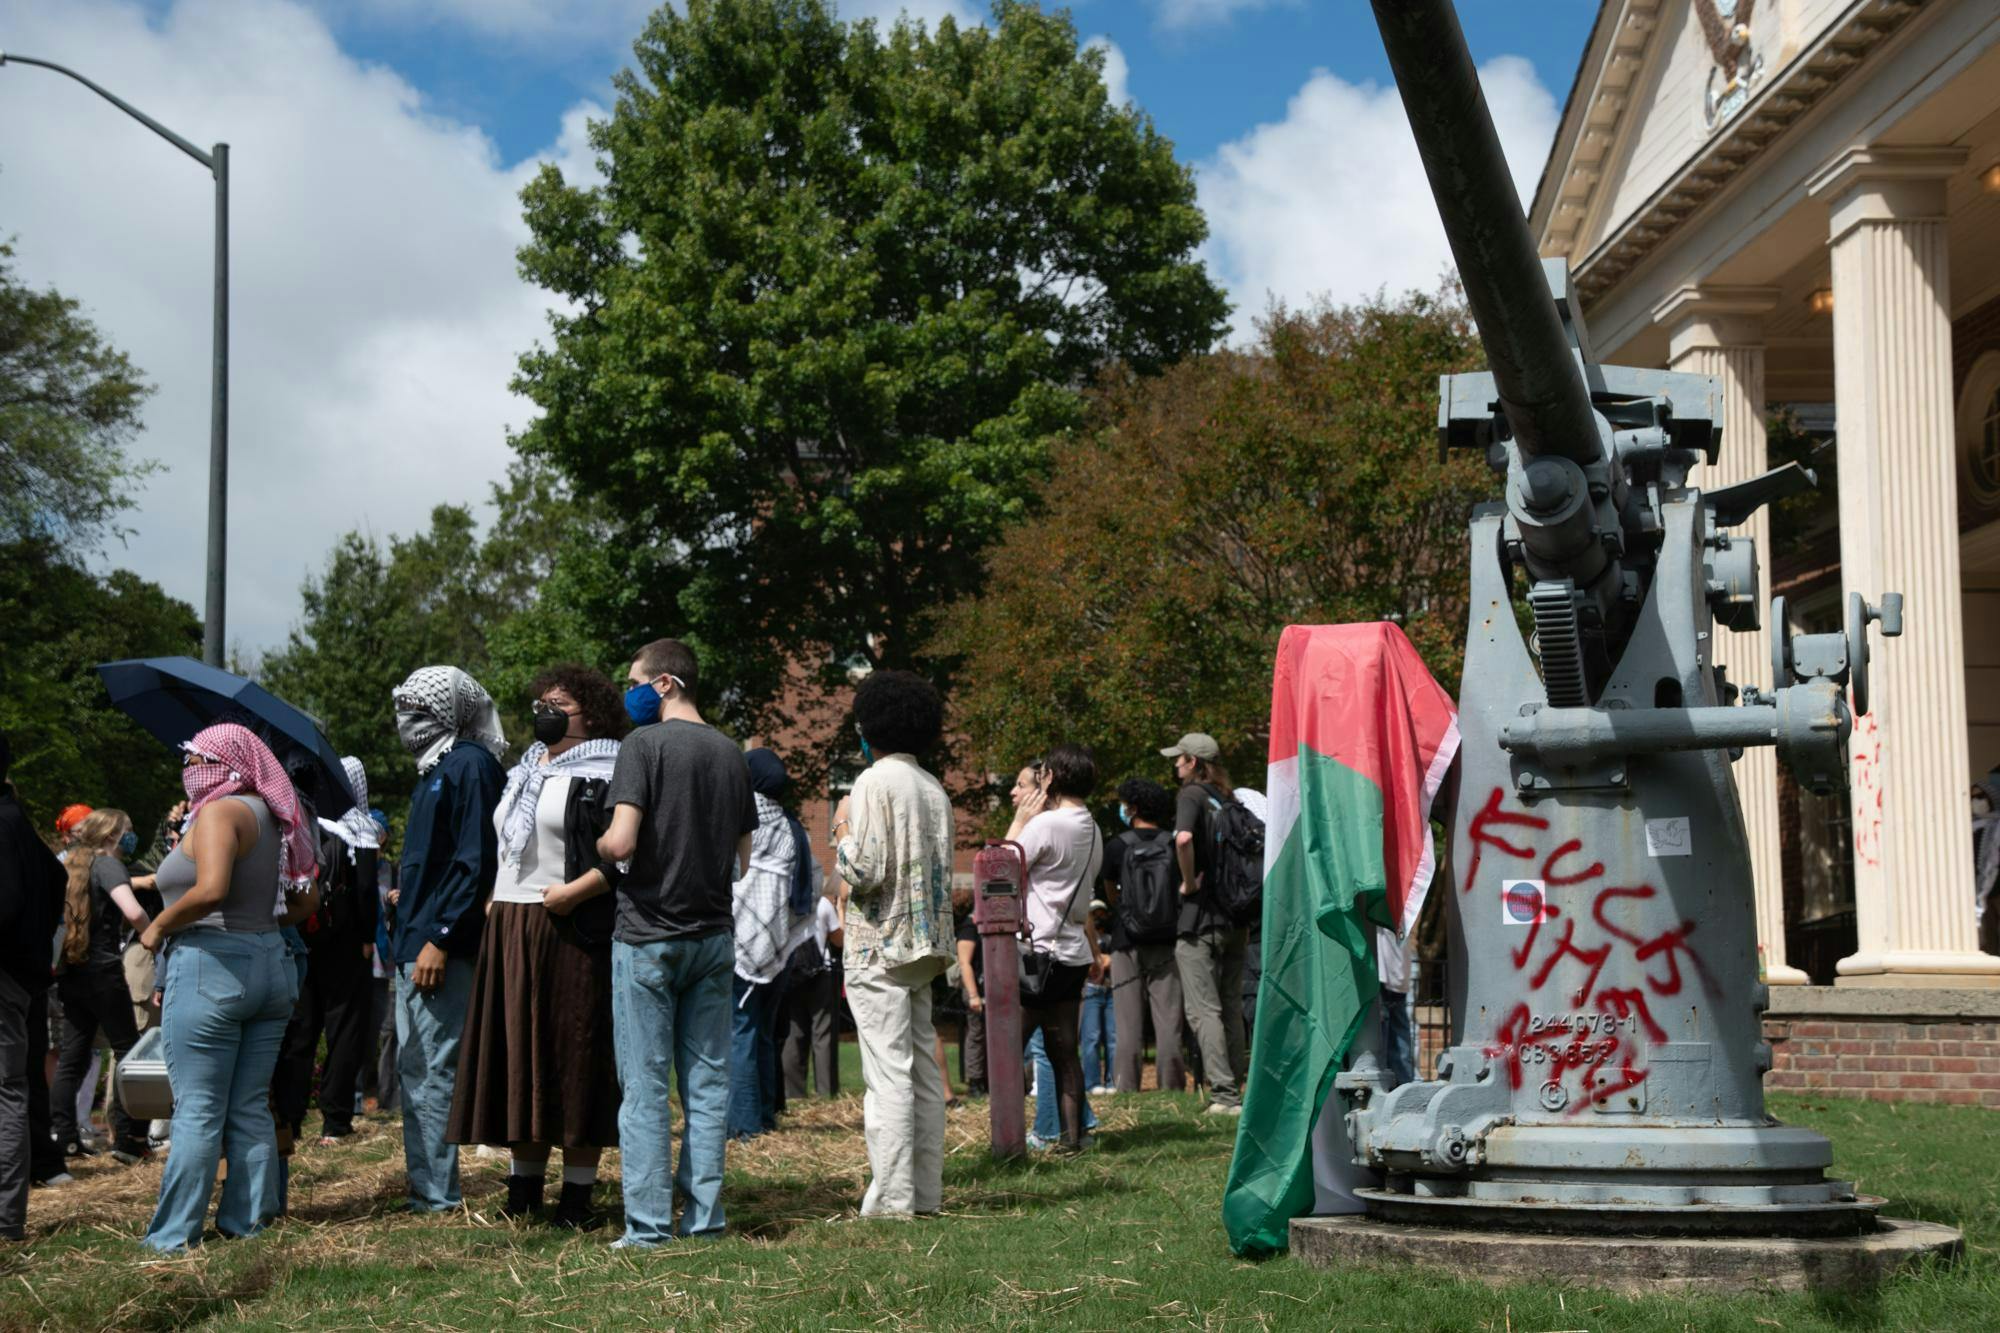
<point>1718,331</point>
<point>1899,533</point>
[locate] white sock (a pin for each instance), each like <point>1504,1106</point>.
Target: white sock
<point>520,1168</point>
<point>579,1175</point>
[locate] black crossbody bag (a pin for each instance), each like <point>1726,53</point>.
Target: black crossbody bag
<point>1038,969</point>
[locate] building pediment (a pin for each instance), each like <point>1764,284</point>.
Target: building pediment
<point>1673,100</point>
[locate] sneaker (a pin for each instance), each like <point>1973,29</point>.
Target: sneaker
<point>1104,1090</point>
<point>1225,1108</point>
<point>130,1154</point>
<point>1036,1143</point>
<point>627,1243</point>
<point>80,1148</point>
<point>59,1178</point>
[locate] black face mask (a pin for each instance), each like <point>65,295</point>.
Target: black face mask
<point>551,725</point>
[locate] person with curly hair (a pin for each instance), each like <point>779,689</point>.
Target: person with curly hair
<point>535,1066</point>
<point>894,834</point>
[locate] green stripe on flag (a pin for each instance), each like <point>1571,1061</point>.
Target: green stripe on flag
<point>1318,983</point>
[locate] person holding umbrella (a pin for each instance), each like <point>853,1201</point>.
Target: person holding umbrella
<point>244,869</point>
<point>451,856</point>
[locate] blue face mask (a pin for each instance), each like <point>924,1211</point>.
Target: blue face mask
<point>128,844</point>
<point>1125,816</point>
<point>642,704</point>
<point>867,753</point>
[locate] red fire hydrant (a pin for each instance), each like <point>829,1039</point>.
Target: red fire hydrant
<point>999,877</point>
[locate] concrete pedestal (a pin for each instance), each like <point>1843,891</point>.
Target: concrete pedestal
<point>1629,1265</point>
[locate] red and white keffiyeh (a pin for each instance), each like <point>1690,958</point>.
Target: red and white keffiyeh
<point>239,764</point>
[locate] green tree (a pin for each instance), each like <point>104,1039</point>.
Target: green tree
<point>70,744</point>
<point>69,405</point>
<point>838,292</point>
<point>1294,482</point>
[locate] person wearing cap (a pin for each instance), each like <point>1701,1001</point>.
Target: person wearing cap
<point>1210,948</point>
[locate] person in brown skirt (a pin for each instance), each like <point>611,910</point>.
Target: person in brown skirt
<point>536,1064</point>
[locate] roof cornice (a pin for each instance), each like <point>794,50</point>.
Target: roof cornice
<point>1588,132</point>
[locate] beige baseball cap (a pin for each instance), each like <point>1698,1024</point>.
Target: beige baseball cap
<point>1196,745</point>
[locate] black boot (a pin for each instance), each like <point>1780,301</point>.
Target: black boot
<point>573,1208</point>
<point>524,1196</point>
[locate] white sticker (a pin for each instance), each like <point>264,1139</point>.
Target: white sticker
<point>1669,837</point>
<point>1523,902</point>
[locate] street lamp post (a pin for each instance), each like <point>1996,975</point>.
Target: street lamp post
<point>217,162</point>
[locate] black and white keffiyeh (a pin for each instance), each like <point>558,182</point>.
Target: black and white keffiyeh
<point>354,828</point>
<point>439,706</point>
<point>516,818</point>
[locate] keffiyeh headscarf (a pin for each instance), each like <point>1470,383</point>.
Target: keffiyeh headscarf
<point>354,828</point>
<point>585,759</point>
<point>768,778</point>
<point>239,764</point>
<point>439,706</point>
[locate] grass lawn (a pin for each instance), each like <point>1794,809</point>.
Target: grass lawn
<point>1124,1237</point>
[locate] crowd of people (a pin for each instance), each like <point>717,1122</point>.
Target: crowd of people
<point>631,913</point>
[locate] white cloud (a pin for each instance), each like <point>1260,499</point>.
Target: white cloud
<point>1332,200</point>
<point>375,310</point>
<point>1117,71</point>
<point>1184,14</point>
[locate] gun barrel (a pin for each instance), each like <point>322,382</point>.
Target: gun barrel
<point>1541,390</point>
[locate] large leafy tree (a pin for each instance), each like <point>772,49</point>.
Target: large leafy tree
<point>69,406</point>
<point>1296,481</point>
<point>838,291</point>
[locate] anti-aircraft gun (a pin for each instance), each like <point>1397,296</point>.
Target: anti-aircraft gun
<point>1606,1061</point>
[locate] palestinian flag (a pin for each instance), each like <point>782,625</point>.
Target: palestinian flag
<point>1361,738</point>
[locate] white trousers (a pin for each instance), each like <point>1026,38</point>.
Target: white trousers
<point>904,1106</point>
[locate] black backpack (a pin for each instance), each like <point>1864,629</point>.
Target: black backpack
<point>1149,895</point>
<point>1236,859</point>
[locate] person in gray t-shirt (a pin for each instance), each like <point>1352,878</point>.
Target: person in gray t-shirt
<point>690,788</point>
<point>682,801</point>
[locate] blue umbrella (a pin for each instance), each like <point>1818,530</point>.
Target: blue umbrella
<point>175,697</point>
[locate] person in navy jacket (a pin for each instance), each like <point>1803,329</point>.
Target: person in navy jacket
<point>450,858</point>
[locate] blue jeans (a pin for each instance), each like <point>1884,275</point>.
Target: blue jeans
<point>1048,1115</point>
<point>753,1058</point>
<point>228,997</point>
<point>1099,1043</point>
<point>670,1013</point>
<point>1399,1057</point>
<point>428,1027</point>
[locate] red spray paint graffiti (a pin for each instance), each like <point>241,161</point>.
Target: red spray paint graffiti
<point>1601,1043</point>
<point>1865,750</point>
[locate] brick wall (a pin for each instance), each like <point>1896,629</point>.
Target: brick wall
<point>1886,1060</point>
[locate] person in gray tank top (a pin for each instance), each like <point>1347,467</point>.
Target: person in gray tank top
<point>245,868</point>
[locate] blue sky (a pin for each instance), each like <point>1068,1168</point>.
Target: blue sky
<point>378,148</point>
